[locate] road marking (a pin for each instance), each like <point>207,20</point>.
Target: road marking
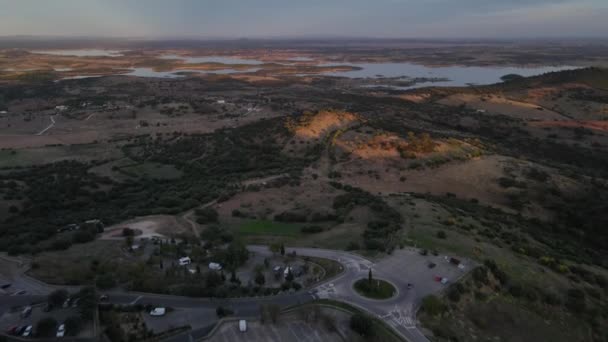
<point>136,300</point>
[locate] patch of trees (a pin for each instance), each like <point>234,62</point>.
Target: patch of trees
<point>58,194</point>
<point>206,215</point>
<point>379,234</point>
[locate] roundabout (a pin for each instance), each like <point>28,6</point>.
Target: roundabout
<point>375,289</point>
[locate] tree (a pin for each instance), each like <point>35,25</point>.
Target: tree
<point>235,255</point>
<point>274,248</point>
<point>432,305</point>
<point>206,215</point>
<point>46,327</point>
<point>73,324</point>
<point>289,276</point>
<point>105,281</point>
<point>222,312</point>
<point>274,310</point>
<point>87,302</point>
<point>129,241</point>
<point>233,278</point>
<point>58,297</point>
<point>260,279</point>
<point>362,324</point>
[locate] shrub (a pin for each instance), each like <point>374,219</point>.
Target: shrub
<point>222,312</point>
<point>206,215</point>
<point>311,229</point>
<point>362,324</point>
<point>73,324</point>
<point>46,327</point>
<point>353,246</point>
<point>432,305</point>
<point>58,297</point>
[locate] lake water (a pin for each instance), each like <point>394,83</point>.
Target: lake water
<point>213,59</point>
<point>300,59</point>
<point>149,72</point>
<point>457,75</point>
<point>81,52</point>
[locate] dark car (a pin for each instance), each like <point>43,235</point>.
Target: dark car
<point>5,286</point>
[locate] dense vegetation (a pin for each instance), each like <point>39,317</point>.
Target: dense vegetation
<point>63,193</point>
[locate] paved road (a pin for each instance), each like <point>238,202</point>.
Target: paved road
<point>401,268</point>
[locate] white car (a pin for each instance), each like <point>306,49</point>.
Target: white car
<point>242,325</point>
<point>158,312</point>
<point>61,331</point>
<point>27,332</point>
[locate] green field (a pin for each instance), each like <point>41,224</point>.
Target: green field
<point>265,227</point>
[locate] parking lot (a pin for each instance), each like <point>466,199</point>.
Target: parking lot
<point>288,329</point>
<point>13,318</point>
<point>195,317</point>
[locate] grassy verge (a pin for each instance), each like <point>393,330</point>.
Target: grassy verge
<point>382,332</point>
<point>332,268</point>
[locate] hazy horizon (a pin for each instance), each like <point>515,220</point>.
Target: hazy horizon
<point>274,19</point>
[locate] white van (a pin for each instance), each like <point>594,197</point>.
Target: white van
<point>185,261</point>
<point>242,325</point>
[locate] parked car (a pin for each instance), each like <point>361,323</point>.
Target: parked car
<point>242,325</point>
<point>26,311</point>
<point>27,332</point>
<point>104,298</point>
<point>5,286</point>
<point>20,293</point>
<point>158,312</point>
<point>61,330</point>
<point>12,330</point>
<point>410,286</point>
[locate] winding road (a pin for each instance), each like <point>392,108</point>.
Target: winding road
<point>48,127</point>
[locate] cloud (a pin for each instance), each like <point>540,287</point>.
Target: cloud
<point>236,18</point>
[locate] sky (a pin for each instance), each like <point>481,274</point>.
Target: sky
<point>306,18</point>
